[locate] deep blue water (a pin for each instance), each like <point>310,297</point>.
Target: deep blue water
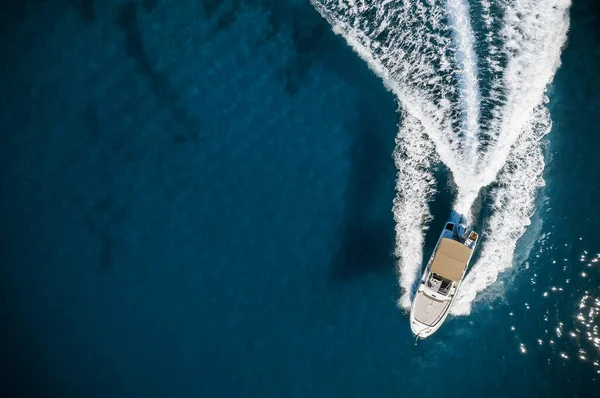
<point>196,201</point>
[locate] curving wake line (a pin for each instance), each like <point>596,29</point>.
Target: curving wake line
<point>472,96</point>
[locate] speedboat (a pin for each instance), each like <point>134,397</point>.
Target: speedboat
<point>442,277</point>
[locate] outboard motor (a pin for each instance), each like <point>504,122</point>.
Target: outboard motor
<point>461,231</point>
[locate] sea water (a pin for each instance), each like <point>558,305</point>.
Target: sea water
<point>234,198</point>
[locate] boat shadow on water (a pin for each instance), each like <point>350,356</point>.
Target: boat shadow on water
<point>367,230</point>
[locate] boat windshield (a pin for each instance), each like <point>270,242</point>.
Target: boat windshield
<point>439,284</point>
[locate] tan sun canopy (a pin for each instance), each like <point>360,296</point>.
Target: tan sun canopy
<point>450,259</point>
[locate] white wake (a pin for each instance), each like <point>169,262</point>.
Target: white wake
<point>472,96</point>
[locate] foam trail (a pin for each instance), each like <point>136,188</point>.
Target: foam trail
<point>458,15</point>
<point>424,50</point>
<point>512,208</point>
<point>413,156</point>
<point>410,46</point>
<point>535,32</point>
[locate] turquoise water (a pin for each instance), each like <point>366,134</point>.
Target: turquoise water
<point>196,201</point>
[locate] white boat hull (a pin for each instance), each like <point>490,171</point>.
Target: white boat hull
<point>441,279</point>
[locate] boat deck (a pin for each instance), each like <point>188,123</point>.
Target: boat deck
<point>428,310</point>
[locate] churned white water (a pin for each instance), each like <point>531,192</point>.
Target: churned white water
<point>425,52</point>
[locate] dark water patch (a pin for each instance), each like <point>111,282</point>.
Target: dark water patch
<point>226,17</point>
<point>183,138</point>
<point>367,229</point>
<point>127,21</point>
<point>310,33</point>
<point>212,7</point>
<point>104,204</point>
<point>440,208</point>
<point>575,110</point>
<point>17,366</point>
<point>91,122</point>
<point>188,125</point>
<point>105,240</point>
<point>482,210</point>
<point>222,13</point>
<point>149,5</point>
<point>14,12</point>
<point>309,42</point>
<point>102,219</point>
<point>117,142</point>
<point>76,201</point>
<point>365,249</point>
<point>312,39</point>
<point>366,243</point>
<point>587,15</point>
<point>130,157</point>
<point>85,9</point>
<point>106,249</point>
<point>120,215</point>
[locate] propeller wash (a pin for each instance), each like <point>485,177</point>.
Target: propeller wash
<point>471,82</point>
